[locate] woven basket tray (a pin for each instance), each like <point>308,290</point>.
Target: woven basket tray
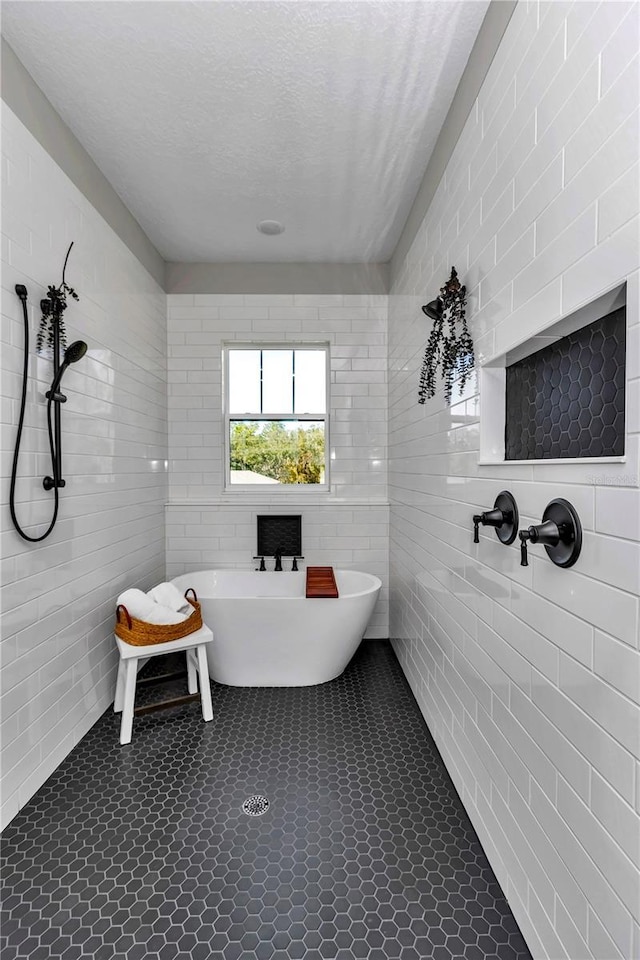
<point>139,633</point>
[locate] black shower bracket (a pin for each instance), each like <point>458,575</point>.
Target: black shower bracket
<point>503,518</point>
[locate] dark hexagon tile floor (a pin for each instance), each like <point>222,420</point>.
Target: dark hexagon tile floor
<point>142,851</point>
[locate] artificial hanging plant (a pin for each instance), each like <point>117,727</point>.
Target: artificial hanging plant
<point>54,305</point>
<point>449,346</point>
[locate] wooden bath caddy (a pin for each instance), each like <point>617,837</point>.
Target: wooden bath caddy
<point>321,583</point>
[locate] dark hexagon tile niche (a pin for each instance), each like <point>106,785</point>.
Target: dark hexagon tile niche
<point>282,533</point>
<point>567,400</point>
<point>140,852</point>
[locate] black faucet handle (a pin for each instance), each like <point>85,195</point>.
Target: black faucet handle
<point>490,518</point>
<point>503,517</point>
<point>294,565</point>
<point>560,533</point>
<point>546,533</point>
<point>262,566</point>
<point>524,559</point>
<point>477,520</point>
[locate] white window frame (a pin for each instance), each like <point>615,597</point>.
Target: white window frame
<point>304,489</point>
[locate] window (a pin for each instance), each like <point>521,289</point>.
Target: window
<point>276,422</point>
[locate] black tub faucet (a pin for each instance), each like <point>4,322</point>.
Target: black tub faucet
<point>278,557</point>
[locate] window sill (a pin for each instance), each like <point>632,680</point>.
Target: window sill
<point>286,500</point>
<point>585,461</point>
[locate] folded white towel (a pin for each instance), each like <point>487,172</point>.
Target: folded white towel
<point>137,603</point>
<point>161,614</point>
<point>143,607</point>
<point>168,595</point>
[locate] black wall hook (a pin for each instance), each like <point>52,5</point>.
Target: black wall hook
<point>504,518</point>
<point>560,533</point>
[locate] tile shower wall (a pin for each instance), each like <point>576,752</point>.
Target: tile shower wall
<point>528,677</point>
<point>349,527</point>
<point>58,656</point>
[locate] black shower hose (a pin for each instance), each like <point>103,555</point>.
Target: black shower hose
<point>16,453</point>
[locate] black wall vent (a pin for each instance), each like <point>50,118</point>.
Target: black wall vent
<point>567,400</point>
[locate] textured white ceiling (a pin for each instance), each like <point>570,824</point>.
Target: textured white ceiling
<point>207,117</point>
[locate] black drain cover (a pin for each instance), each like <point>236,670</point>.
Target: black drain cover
<point>255,806</point>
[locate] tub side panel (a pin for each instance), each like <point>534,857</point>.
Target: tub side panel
<point>292,642</point>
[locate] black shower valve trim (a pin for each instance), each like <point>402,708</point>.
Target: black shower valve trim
<point>547,533</point>
<point>503,518</point>
<point>560,532</point>
<point>490,518</point>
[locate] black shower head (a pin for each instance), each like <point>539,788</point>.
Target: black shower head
<point>433,309</point>
<point>74,352</point>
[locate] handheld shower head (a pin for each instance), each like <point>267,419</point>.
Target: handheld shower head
<point>74,352</point>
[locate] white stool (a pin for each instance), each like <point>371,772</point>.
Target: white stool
<point>133,658</point>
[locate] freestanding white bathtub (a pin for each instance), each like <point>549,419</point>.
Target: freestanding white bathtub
<point>267,634</point>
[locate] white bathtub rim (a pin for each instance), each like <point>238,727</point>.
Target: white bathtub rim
<point>375,584</point>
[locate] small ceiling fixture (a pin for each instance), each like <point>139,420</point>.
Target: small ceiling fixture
<point>271,227</point>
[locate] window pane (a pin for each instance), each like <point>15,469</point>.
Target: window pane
<point>310,381</point>
<point>244,381</point>
<point>277,381</point>
<point>277,451</point>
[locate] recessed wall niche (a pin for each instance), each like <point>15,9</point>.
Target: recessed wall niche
<point>559,396</point>
<point>283,533</point>
<point>567,400</point>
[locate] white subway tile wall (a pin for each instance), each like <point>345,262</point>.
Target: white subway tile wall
<point>347,527</point>
<point>528,677</point>
<point>58,597</point>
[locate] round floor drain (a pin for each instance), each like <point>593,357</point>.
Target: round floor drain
<point>255,806</point>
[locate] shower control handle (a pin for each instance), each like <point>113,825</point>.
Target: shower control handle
<point>503,518</point>
<point>560,532</point>
<point>547,532</point>
<point>490,518</point>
